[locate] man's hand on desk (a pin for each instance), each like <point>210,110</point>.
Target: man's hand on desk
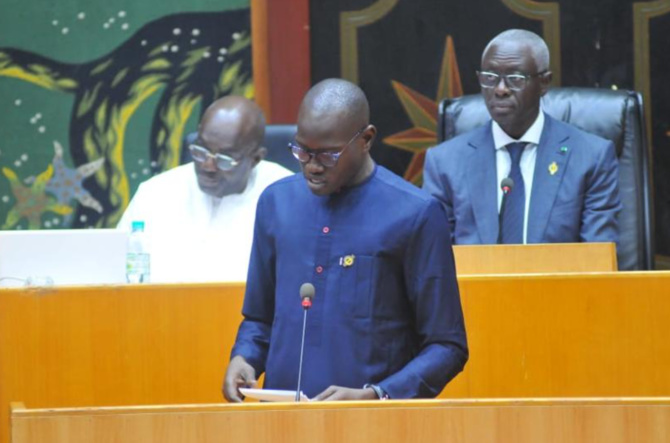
<point>240,374</point>
<point>333,393</point>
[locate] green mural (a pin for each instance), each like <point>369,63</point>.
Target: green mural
<point>96,99</point>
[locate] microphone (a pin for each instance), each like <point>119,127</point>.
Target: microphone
<point>306,295</point>
<point>506,185</point>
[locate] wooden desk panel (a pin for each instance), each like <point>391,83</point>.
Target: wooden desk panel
<point>532,336</point>
<point>566,336</point>
<point>535,258</point>
<point>121,345</point>
<point>473,421</point>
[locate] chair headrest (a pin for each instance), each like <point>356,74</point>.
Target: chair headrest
<point>598,111</point>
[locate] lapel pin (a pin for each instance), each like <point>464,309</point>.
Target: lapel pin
<point>553,168</point>
<point>563,149</point>
<point>347,260</point>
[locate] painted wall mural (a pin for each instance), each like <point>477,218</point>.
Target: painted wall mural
<point>96,101</point>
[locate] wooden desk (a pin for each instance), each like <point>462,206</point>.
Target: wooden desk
<point>596,335</point>
<point>535,258</point>
<point>470,421</point>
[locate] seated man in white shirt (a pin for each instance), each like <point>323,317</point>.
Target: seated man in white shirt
<point>199,217</point>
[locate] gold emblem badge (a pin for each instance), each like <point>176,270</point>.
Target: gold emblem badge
<point>347,260</point>
<point>553,168</point>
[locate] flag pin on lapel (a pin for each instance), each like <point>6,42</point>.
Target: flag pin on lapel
<point>563,150</point>
<point>553,168</point>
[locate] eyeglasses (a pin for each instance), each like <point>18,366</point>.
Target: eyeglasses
<point>515,82</point>
<point>325,158</point>
<point>201,155</point>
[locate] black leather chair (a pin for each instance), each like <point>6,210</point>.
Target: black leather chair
<point>614,115</point>
<point>276,141</point>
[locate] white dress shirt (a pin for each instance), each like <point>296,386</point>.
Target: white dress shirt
<point>527,162</point>
<point>193,236</point>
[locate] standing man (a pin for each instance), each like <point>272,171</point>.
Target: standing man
<point>386,320</point>
<point>565,185</point>
<point>199,217</point>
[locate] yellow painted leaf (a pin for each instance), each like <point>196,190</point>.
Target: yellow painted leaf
<point>66,83</point>
<point>11,175</point>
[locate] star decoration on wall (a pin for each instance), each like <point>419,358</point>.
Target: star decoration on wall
<point>422,112</point>
<point>31,201</point>
<point>67,183</point>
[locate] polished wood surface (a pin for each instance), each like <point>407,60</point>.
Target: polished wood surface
<point>280,49</point>
<point>566,336</point>
<point>530,336</point>
<point>535,258</point>
<point>473,421</point>
<point>115,345</point>
<point>260,56</point>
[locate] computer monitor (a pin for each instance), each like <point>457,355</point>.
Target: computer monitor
<point>62,257</point>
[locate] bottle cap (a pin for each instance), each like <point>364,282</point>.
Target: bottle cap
<point>137,226</point>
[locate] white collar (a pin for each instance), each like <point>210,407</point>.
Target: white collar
<point>532,135</point>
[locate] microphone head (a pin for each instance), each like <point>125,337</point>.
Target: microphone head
<point>506,184</point>
<point>307,291</point>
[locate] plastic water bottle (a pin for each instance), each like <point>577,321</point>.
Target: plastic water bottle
<point>138,263</point>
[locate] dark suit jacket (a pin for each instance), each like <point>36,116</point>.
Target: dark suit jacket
<point>578,203</point>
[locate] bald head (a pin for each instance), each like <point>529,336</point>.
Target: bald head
<point>238,114</point>
<point>334,119</point>
<point>538,47</point>
<point>337,100</point>
<point>232,127</point>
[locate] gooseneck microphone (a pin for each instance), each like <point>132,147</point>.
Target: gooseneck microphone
<point>506,185</point>
<point>306,295</point>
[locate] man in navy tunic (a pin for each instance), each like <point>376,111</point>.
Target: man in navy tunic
<point>386,321</point>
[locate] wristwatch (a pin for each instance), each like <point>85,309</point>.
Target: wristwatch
<point>378,390</point>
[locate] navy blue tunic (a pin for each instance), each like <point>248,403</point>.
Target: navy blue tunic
<point>387,308</point>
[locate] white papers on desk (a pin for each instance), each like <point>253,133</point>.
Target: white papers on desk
<point>272,394</point>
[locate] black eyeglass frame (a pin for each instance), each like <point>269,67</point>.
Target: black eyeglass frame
<point>509,79</point>
<point>331,157</point>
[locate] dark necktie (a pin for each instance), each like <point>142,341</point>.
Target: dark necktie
<point>515,206</point>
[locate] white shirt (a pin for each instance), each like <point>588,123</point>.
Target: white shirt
<point>527,162</point>
<point>195,237</point>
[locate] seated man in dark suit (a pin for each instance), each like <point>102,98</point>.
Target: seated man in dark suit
<point>564,180</point>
